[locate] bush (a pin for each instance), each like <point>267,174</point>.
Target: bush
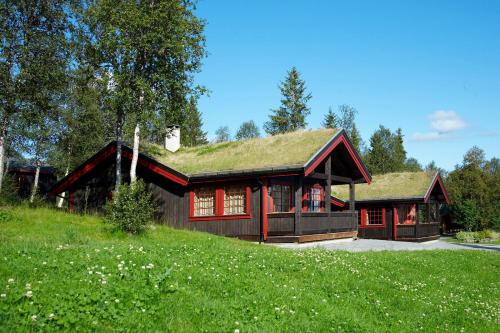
<point>131,208</point>
<point>468,215</point>
<point>477,236</point>
<point>8,195</point>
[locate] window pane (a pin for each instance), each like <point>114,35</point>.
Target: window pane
<point>315,199</point>
<point>374,216</point>
<point>204,202</point>
<point>234,200</point>
<point>281,195</point>
<point>407,214</point>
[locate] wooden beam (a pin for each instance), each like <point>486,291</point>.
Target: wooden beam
<point>341,179</point>
<point>298,205</point>
<point>318,175</point>
<point>352,198</point>
<point>328,190</point>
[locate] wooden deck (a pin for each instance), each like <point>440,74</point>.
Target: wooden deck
<point>311,238</point>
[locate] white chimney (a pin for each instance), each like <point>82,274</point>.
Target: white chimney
<point>173,138</point>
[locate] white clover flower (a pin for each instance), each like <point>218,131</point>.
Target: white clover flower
<point>3,295</point>
<point>236,331</point>
<point>189,277</point>
<point>44,263</point>
<point>28,286</point>
<point>11,280</point>
<point>33,317</point>
<point>51,316</point>
<point>29,294</point>
<point>117,300</point>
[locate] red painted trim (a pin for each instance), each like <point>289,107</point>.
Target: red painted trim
<point>305,197</point>
<point>341,139</point>
<point>437,179</point>
<point>337,202</point>
<point>381,226</point>
<point>395,222</point>
<point>265,196</point>
<point>219,206</point>
<point>156,169</point>
<point>363,217</point>
<point>75,175</point>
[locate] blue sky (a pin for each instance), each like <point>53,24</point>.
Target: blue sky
<point>429,67</point>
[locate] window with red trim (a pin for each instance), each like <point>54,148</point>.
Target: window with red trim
<point>204,201</point>
<point>406,214</point>
<point>314,198</point>
<point>235,202</point>
<point>281,198</point>
<point>374,216</point>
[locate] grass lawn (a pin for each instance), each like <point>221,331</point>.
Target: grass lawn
<point>63,271</point>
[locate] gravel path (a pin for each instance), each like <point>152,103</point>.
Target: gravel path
<point>363,245</point>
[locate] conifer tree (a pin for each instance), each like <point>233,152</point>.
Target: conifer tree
<point>356,139</point>
<point>291,114</point>
<point>331,120</point>
<point>192,133</point>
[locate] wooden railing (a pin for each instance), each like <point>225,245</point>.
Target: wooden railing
<point>312,223</point>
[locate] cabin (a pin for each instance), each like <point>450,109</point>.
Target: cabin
<point>23,176</point>
<point>275,188</point>
<point>404,206</point>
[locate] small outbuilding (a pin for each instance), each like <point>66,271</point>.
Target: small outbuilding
<point>274,188</point>
<point>403,206</point>
<point>23,176</point>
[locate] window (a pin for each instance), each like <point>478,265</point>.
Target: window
<point>234,200</point>
<point>204,202</point>
<point>375,216</point>
<point>406,214</point>
<point>314,198</point>
<point>281,198</point>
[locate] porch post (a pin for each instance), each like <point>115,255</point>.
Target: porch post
<point>328,190</point>
<point>352,199</point>
<point>264,207</point>
<point>298,205</point>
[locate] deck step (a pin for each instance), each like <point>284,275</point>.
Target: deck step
<point>311,238</point>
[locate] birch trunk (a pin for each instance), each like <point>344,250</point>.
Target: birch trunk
<point>119,137</point>
<point>37,177</point>
<point>135,154</point>
<point>60,200</point>
<point>3,134</point>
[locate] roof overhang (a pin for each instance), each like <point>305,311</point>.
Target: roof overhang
<point>437,181</point>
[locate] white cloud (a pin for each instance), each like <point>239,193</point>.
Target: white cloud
<point>446,121</point>
<point>443,123</point>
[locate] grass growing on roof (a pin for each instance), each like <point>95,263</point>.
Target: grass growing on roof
<point>61,271</point>
<point>389,185</point>
<point>290,149</point>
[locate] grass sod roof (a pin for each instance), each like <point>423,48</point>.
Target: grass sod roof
<point>396,185</point>
<point>284,150</point>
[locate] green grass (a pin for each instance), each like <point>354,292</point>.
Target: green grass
<point>290,149</point>
<point>90,279</point>
<point>389,185</point>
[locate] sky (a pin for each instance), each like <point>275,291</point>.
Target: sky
<point>431,68</point>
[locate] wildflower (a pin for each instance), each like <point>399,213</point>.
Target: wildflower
<point>51,316</point>
<point>236,331</point>
<point>117,300</point>
<point>44,263</point>
<point>33,317</point>
<point>189,277</point>
<point>3,295</point>
<point>10,280</point>
<point>29,294</point>
<point>28,286</point>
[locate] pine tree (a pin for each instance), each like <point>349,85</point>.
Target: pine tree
<point>292,113</point>
<point>355,137</point>
<point>247,130</point>
<point>386,152</point>
<point>399,152</point>
<point>192,133</point>
<point>331,120</point>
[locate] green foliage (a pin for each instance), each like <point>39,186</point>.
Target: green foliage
<point>8,193</point>
<point>131,208</point>
<point>169,280</point>
<point>412,165</point>
<point>331,120</point>
<point>474,189</point>
<point>386,152</point>
<point>292,113</point>
<point>247,130</point>
<point>192,133</point>
<point>222,134</point>
<point>477,236</point>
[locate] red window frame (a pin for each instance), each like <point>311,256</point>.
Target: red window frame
<point>306,198</point>
<point>206,195</point>
<point>410,212</point>
<point>219,204</point>
<point>235,203</point>
<point>364,217</point>
<point>271,198</point>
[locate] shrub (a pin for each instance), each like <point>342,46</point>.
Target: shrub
<point>477,236</point>
<point>8,195</point>
<point>131,208</point>
<point>468,215</point>
<point>466,237</point>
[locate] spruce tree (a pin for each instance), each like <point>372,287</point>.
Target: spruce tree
<point>399,152</point>
<point>356,139</point>
<point>291,114</point>
<point>192,133</point>
<point>331,120</point>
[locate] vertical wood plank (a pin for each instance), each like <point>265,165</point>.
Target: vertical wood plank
<point>298,205</point>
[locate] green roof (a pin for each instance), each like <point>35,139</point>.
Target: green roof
<point>283,150</point>
<point>389,186</point>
